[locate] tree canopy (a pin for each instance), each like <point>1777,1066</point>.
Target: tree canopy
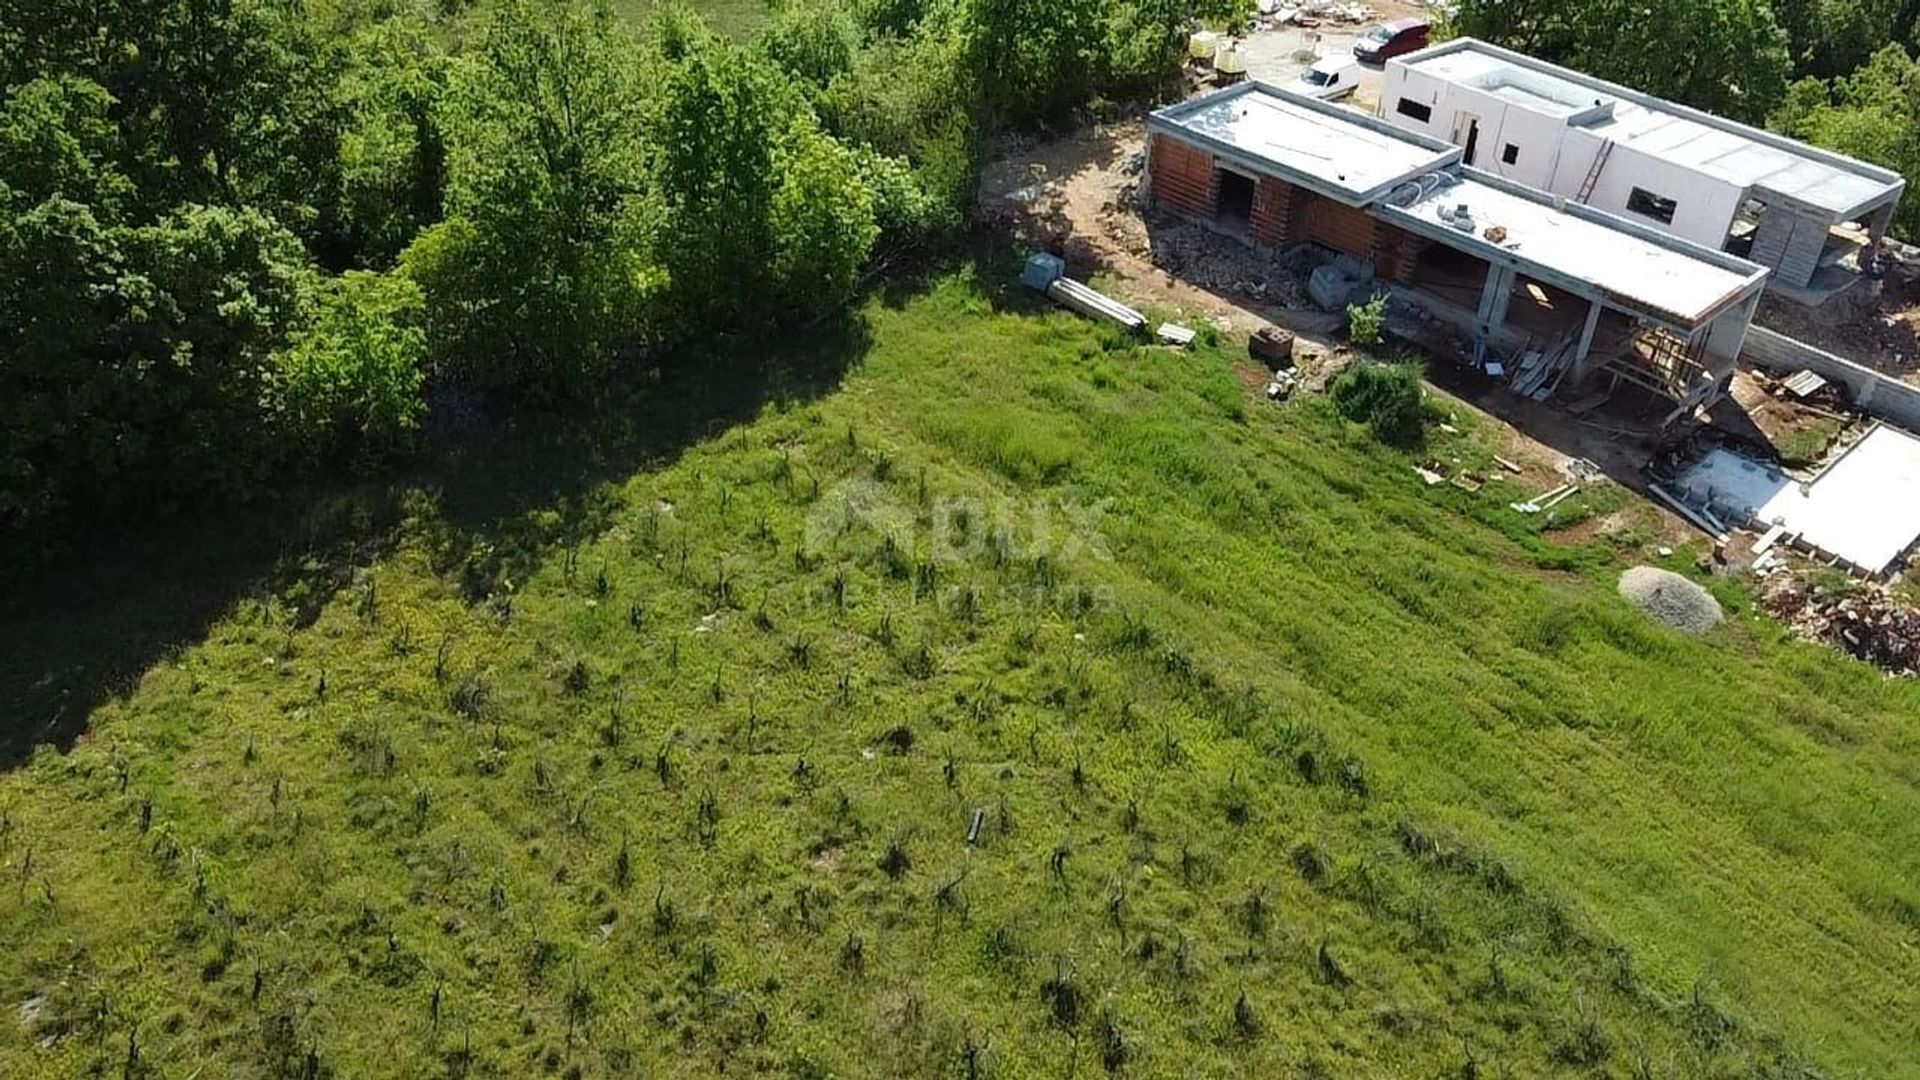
<point>1873,114</point>
<point>1741,58</point>
<point>1726,56</point>
<point>241,234</point>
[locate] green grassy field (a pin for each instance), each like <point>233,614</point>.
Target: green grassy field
<point>739,19</point>
<point>652,745</point>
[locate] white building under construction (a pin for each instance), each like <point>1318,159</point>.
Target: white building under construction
<point>1807,215</point>
<point>1539,277</point>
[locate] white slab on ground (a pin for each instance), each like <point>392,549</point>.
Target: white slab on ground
<point>1865,507</point>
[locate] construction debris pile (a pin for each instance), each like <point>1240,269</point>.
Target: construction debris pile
<point>1539,373</point>
<point>1313,13</point>
<point>1869,622</point>
<point>1334,284</point>
<point>1197,256</point>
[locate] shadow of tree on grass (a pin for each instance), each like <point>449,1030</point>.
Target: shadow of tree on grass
<point>86,612</point>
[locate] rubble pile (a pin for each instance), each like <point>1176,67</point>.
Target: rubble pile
<point>1312,13</point>
<point>1199,257</point>
<point>1867,622</point>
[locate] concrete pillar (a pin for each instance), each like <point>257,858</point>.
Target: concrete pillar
<point>1877,224</point>
<point>1878,221</point>
<point>1493,299</point>
<point>1727,333</point>
<point>1580,365</point>
<point>1586,332</point>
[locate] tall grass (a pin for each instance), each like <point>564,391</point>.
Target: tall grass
<point>1266,759</point>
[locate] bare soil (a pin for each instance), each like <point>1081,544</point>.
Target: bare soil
<point>1883,334</point>
<point>1800,434</point>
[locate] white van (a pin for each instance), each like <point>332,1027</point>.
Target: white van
<point>1330,77</point>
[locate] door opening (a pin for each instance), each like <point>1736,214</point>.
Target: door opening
<point>1473,140</point>
<point>1235,203</point>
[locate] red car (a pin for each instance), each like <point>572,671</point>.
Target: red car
<point>1391,39</point>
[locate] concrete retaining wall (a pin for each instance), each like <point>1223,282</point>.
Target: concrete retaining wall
<point>1881,395</point>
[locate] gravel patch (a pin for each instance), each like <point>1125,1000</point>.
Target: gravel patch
<point>1671,600</point>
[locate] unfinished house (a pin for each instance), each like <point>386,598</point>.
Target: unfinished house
<point>1809,215</point>
<point>1574,295</point>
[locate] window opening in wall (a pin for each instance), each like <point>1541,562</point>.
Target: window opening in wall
<point>1647,204</point>
<point>1510,155</point>
<point>1411,108</point>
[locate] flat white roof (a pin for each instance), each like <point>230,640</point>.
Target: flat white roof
<point>1728,150</point>
<point>1330,148</point>
<point>1528,97</point>
<point>1642,270</point>
<point>1864,508</point>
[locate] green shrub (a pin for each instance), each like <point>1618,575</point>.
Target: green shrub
<point>358,369</point>
<point>1366,321</point>
<point>1385,397</point>
<point>812,40</point>
<point>822,219</point>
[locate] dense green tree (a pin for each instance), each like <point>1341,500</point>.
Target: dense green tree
<point>768,217</point>
<point>1872,114</point>
<point>719,112</point>
<point>909,99</point>
<point>815,41</point>
<point>1725,56</point>
<point>69,411</point>
<point>1828,38</point>
<point>897,19</point>
<point>131,354</point>
<point>57,139</point>
<point>904,209</point>
<point>822,220</point>
<point>1028,60</point>
<point>392,159</point>
<point>542,265</point>
<point>217,101</point>
<point>358,369</point>
<point>133,361</point>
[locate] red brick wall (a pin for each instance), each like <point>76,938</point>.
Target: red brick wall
<point>1336,225</point>
<point>1182,176</point>
<point>1396,252</point>
<point>1275,206</point>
